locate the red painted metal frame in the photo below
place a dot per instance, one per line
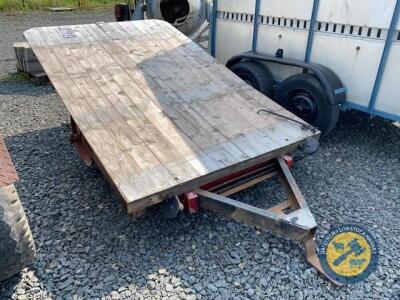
(8, 174)
(288, 159)
(190, 200)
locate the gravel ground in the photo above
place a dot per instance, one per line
(89, 248)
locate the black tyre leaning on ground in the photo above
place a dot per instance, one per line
(256, 75)
(303, 95)
(17, 248)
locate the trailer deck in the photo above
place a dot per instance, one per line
(158, 114)
(163, 120)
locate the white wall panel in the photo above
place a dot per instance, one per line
(398, 24)
(356, 68)
(243, 6)
(232, 38)
(371, 13)
(388, 99)
(292, 9)
(292, 41)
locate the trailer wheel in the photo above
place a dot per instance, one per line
(171, 207)
(303, 95)
(256, 75)
(16, 243)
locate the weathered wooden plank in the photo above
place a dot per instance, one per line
(181, 167)
(161, 115)
(158, 90)
(164, 124)
(141, 139)
(120, 166)
(177, 115)
(187, 91)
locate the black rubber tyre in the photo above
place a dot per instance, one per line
(171, 207)
(16, 243)
(256, 75)
(303, 95)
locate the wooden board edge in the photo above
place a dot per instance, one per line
(141, 204)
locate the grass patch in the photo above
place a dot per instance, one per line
(18, 76)
(23, 5)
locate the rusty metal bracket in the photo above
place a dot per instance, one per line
(296, 228)
(291, 219)
(312, 257)
(8, 174)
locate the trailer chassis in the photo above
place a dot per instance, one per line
(291, 219)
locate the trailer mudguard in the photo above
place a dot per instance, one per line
(333, 86)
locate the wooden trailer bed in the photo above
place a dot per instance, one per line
(158, 113)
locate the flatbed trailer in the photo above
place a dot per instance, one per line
(162, 118)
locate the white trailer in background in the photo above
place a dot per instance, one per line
(314, 56)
